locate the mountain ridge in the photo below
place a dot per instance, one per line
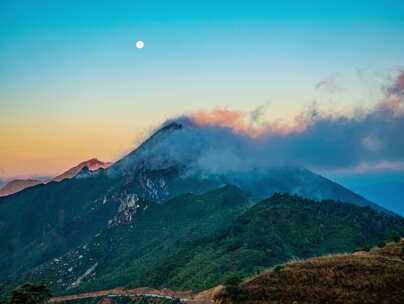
(75, 211)
(181, 244)
(17, 185)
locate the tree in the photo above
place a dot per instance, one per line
(233, 280)
(30, 293)
(232, 288)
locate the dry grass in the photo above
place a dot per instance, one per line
(363, 277)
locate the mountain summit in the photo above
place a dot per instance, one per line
(92, 164)
(175, 173)
(183, 156)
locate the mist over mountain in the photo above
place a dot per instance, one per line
(99, 222)
(223, 140)
(183, 156)
(256, 149)
(184, 160)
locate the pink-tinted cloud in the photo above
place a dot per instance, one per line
(398, 86)
(370, 139)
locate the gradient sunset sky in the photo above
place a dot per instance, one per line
(73, 85)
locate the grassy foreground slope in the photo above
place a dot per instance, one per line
(196, 241)
(362, 277)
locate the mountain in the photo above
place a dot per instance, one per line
(179, 162)
(17, 185)
(181, 157)
(195, 241)
(370, 277)
(92, 164)
(45, 221)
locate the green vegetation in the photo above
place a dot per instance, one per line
(233, 279)
(395, 237)
(196, 241)
(122, 300)
(277, 268)
(46, 221)
(152, 250)
(30, 293)
(381, 244)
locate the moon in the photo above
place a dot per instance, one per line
(140, 44)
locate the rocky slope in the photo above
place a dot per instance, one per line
(196, 241)
(47, 221)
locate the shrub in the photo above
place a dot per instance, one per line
(233, 280)
(395, 237)
(30, 293)
(278, 268)
(381, 244)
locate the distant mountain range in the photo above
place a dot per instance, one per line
(177, 211)
(18, 185)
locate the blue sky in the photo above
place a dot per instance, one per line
(69, 67)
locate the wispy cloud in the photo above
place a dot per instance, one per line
(329, 84)
(224, 140)
(364, 140)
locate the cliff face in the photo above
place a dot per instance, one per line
(376, 276)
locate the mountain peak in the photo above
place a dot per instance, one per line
(92, 164)
(172, 125)
(165, 147)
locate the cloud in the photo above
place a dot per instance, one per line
(398, 86)
(366, 139)
(329, 84)
(257, 115)
(224, 140)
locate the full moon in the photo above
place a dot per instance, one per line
(140, 44)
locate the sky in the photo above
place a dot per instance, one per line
(73, 86)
